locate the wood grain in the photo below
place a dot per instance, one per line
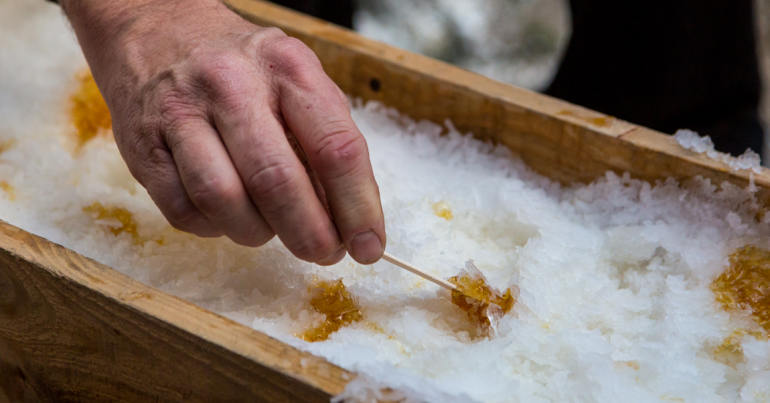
(563, 141)
(73, 330)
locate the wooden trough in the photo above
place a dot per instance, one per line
(74, 330)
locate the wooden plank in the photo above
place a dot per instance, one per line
(74, 330)
(565, 142)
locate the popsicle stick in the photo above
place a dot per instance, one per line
(408, 267)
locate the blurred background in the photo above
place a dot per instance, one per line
(516, 41)
(763, 47)
(523, 42)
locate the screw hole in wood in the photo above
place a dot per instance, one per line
(374, 84)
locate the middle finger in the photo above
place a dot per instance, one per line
(276, 180)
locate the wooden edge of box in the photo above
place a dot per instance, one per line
(72, 329)
(565, 142)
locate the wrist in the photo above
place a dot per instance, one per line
(102, 17)
(101, 24)
(114, 34)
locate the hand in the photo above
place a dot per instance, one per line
(202, 102)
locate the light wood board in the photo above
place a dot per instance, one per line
(74, 330)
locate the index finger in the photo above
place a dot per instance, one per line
(317, 112)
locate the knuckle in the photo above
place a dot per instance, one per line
(182, 216)
(224, 78)
(200, 227)
(272, 186)
(166, 96)
(138, 137)
(169, 90)
(145, 155)
(157, 157)
(261, 234)
(177, 222)
(314, 247)
(219, 70)
(173, 112)
(340, 149)
(178, 211)
(214, 198)
(292, 57)
(256, 235)
(269, 33)
(149, 142)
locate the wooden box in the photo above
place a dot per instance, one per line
(75, 330)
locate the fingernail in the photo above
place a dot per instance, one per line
(334, 258)
(367, 247)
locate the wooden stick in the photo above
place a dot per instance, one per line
(408, 267)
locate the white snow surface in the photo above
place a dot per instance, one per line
(614, 301)
(694, 142)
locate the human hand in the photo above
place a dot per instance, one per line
(202, 102)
